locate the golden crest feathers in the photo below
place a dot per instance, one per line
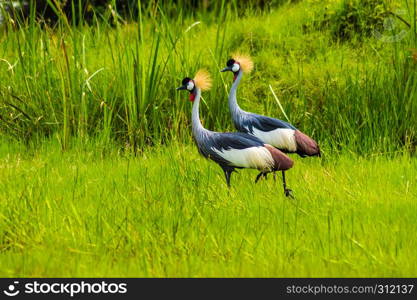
(203, 80)
(245, 61)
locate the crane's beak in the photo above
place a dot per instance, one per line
(183, 87)
(226, 69)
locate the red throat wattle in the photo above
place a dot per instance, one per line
(234, 76)
(192, 97)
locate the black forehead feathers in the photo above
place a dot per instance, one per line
(186, 80)
(230, 62)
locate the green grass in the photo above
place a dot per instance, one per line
(99, 176)
(115, 80)
(169, 213)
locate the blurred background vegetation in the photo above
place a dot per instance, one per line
(344, 70)
(87, 10)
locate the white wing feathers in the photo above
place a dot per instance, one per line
(281, 138)
(254, 157)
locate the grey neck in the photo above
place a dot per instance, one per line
(198, 128)
(233, 106)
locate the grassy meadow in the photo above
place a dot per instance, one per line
(169, 213)
(99, 175)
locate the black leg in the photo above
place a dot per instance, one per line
(287, 191)
(275, 176)
(228, 173)
(260, 175)
(257, 177)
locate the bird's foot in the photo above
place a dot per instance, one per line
(288, 193)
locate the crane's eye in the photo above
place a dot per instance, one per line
(190, 85)
(230, 62)
(235, 67)
(185, 80)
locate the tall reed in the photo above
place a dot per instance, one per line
(115, 79)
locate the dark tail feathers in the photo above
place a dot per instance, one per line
(282, 161)
(306, 146)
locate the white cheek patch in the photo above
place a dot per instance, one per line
(190, 85)
(235, 67)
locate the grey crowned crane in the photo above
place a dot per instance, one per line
(232, 150)
(277, 133)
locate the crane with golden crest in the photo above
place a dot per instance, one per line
(277, 133)
(231, 150)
